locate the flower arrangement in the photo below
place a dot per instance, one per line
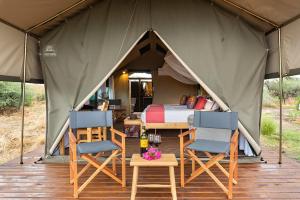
(152, 154)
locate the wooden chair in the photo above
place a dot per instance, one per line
(213, 132)
(93, 134)
(85, 151)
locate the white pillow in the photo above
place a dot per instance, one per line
(211, 105)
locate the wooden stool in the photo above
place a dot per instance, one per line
(166, 160)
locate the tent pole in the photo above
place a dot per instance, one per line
(281, 95)
(55, 16)
(23, 96)
(251, 13)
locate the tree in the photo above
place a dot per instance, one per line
(291, 87)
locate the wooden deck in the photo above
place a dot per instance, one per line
(50, 181)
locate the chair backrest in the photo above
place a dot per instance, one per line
(90, 119)
(217, 126)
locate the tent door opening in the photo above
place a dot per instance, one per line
(140, 91)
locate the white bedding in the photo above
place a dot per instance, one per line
(173, 113)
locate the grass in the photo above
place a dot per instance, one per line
(291, 139)
(268, 126)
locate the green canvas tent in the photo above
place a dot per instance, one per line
(73, 46)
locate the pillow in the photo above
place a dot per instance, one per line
(211, 105)
(191, 101)
(183, 99)
(200, 103)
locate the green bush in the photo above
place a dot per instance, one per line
(268, 126)
(293, 115)
(268, 100)
(10, 95)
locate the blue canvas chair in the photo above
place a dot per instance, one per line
(215, 134)
(93, 119)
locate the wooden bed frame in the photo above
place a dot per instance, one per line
(167, 125)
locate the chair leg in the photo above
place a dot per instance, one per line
(71, 167)
(208, 164)
(193, 163)
(181, 162)
(87, 166)
(75, 174)
(232, 169)
(225, 172)
(114, 168)
(230, 180)
(207, 170)
(99, 169)
(235, 174)
(123, 163)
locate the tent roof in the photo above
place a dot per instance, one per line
(26, 14)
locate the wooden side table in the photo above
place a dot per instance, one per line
(166, 160)
(138, 122)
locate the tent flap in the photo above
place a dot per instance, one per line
(223, 51)
(80, 53)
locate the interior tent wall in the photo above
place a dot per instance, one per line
(12, 53)
(164, 94)
(84, 51)
(223, 51)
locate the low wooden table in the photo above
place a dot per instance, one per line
(138, 122)
(166, 160)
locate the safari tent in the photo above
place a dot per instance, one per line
(73, 47)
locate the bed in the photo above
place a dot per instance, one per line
(167, 116)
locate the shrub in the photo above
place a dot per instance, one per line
(293, 115)
(10, 95)
(268, 100)
(268, 126)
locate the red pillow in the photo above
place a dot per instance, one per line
(200, 103)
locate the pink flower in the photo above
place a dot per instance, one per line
(152, 154)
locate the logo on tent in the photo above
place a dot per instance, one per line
(49, 51)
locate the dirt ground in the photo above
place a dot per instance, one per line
(10, 131)
(286, 124)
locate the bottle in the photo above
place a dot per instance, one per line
(143, 143)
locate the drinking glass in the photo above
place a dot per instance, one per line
(151, 139)
(157, 140)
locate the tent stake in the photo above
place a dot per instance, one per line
(23, 96)
(281, 96)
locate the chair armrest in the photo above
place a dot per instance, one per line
(118, 132)
(188, 142)
(114, 140)
(191, 131)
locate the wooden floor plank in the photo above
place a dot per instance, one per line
(51, 181)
